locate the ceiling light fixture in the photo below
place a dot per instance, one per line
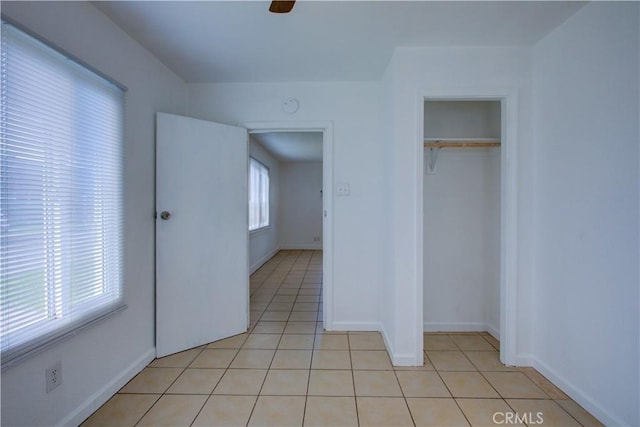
(281, 6)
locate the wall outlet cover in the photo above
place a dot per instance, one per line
(342, 189)
(53, 376)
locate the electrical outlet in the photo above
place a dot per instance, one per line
(53, 376)
(342, 189)
(316, 238)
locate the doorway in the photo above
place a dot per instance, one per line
(462, 216)
(507, 258)
(300, 155)
(227, 151)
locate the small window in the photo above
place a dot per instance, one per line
(258, 195)
(61, 196)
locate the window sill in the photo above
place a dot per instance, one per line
(259, 230)
(39, 345)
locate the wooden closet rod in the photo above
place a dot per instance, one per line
(461, 144)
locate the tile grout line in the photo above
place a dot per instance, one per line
(404, 397)
(306, 398)
(266, 374)
(168, 387)
(148, 410)
(455, 399)
(217, 382)
(287, 269)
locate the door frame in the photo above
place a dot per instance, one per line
(508, 98)
(326, 127)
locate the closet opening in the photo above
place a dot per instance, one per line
(462, 192)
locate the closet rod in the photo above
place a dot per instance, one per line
(461, 144)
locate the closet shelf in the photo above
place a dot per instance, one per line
(435, 144)
(461, 142)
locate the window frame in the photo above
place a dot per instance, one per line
(262, 168)
(108, 302)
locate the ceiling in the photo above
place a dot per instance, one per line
(240, 41)
(292, 146)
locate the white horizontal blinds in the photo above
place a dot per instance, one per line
(264, 195)
(60, 194)
(258, 195)
(254, 200)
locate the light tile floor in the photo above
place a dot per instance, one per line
(287, 371)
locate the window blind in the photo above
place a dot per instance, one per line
(61, 195)
(258, 195)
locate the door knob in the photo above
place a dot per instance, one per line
(165, 215)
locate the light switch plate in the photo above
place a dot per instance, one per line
(342, 189)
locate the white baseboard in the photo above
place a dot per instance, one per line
(301, 246)
(494, 332)
(523, 359)
(96, 400)
(404, 360)
(577, 394)
(263, 260)
(455, 327)
(398, 359)
(385, 338)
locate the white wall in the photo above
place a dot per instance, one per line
(99, 360)
(414, 72)
(586, 114)
(301, 205)
(358, 158)
(462, 242)
(491, 239)
(263, 243)
(462, 119)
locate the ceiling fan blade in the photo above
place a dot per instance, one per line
(281, 6)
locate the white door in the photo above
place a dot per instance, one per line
(202, 274)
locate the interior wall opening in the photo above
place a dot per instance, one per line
(461, 217)
(285, 255)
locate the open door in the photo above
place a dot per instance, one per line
(202, 277)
